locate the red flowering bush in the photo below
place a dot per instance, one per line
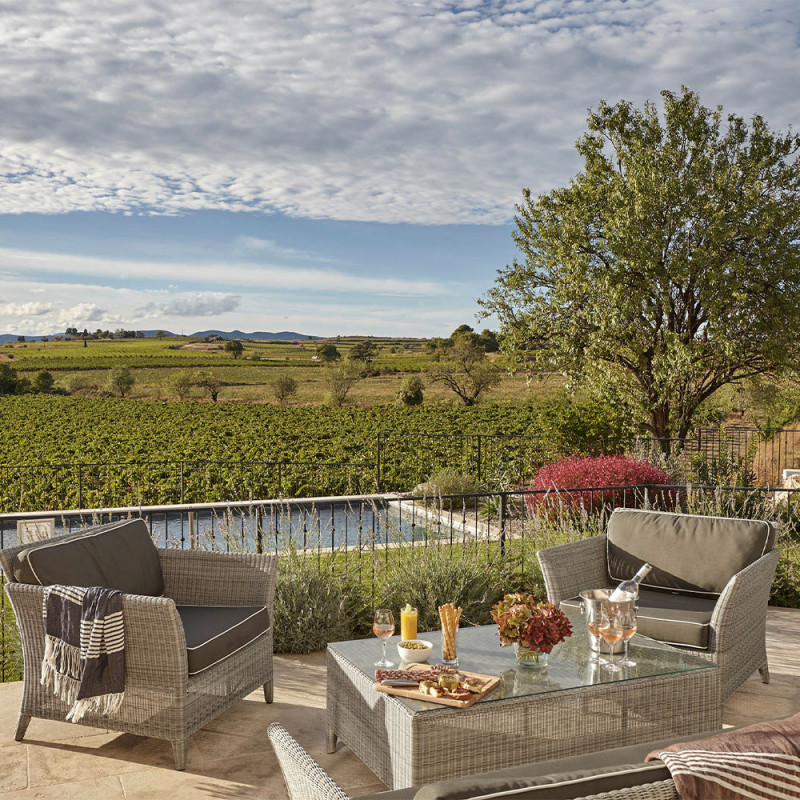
(596, 474)
(537, 626)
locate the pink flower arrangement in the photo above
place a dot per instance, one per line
(536, 626)
(593, 473)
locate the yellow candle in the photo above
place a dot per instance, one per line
(408, 622)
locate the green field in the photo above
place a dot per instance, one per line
(155, 363)
(46, 430)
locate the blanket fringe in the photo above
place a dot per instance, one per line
(59, 655)
(103, 704)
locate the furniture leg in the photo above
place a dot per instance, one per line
(331, 741)
(22, 726)
(179, 748)
(764, 672)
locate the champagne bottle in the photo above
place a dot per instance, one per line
(630, 587)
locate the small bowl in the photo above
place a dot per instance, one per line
(415, 655)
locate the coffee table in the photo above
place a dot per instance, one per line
(571, 707)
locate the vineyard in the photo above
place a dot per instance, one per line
(261, 450)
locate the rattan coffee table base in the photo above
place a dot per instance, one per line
(406, 748)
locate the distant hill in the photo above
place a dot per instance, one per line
(283, 335)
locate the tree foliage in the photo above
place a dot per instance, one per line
(283, 387)
(339, 379)
(120, 381)
(234, 347)
(465, 371)
(668, 268)
(411, 391)
(208, 382)
(365, 351)
(328, 352)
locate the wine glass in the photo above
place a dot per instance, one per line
(611, 631)
(383, 628)
(628, 622)
(593, 624)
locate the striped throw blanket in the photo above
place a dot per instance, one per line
(84, 653)
(759, 761)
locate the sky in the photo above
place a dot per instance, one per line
(333, 167)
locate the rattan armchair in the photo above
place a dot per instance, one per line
(162, 699)
(737, 615)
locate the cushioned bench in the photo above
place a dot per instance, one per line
(198, 625)
(708, 589)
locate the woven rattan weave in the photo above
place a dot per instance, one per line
(161, 699)
(569, 709)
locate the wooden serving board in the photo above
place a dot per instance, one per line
(490, 681)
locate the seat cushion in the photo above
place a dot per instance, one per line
(563, 786)
(688, 552)
(671, 617)
(117, 556)
(215, 632)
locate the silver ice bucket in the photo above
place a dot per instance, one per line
(592, 601)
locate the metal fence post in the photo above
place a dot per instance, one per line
(378, 462)
(182, 494)
(502, 524)
(80, 485)
(479, 458)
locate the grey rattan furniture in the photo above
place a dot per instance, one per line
(570, 708)
(221, 603)
(617, 774)
(708, 592)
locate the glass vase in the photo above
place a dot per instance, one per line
(529, 659)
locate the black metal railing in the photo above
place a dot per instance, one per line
(363, 533)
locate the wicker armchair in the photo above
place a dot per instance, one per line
(736, 613)
(162, 699)
(306, 780)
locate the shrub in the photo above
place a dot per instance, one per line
(451, 482)
(314, 606)
(284, 387)
(431, 576)
(411, 391)
(595, 473)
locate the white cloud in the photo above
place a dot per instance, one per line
(26, 309)
(378, 110)
(258, 276)
(124, 307)
(203, 304)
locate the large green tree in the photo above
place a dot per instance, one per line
(668, 268)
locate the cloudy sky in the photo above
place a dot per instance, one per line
(327, 167)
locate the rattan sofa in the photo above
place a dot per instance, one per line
(618, 774)
(708, 591)
(198, 626)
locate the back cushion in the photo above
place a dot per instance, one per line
(687, 551)
(119, 557)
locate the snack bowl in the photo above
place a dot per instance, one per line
(419, 651)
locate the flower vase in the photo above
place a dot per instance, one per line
(529, 659)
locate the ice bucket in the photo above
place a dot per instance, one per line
(592, 600)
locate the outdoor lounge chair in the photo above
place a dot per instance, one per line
(198, 626)
(708, 591)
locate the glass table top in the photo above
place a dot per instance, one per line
(570, 664)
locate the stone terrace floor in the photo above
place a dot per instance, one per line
(231, 757)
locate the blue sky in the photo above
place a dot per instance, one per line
(329, 167)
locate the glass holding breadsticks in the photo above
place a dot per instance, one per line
(449, 615)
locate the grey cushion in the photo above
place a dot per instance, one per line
(119, 556)
(688, 552)
(213, 633)
(562, 786)
(672, 617)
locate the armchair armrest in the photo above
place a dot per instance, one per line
(740, 616)
(570, 568)
(305, 779)
(155, 647)
(202, 578)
